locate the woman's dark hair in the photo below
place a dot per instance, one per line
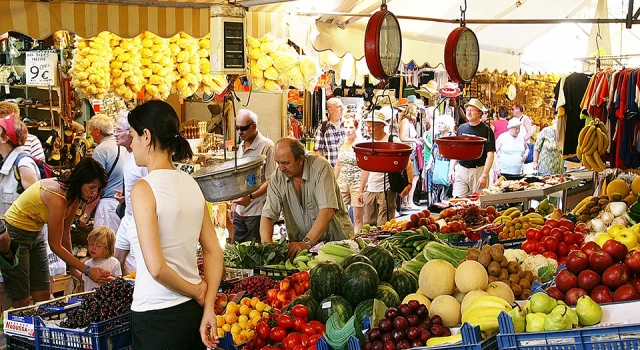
(86, 171)
(503, 112)
(162, 122)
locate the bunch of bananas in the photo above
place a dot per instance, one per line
(157, 66)
(593, 142)
(90, 69)
(508, 215)
(484, 312)
(127, 78)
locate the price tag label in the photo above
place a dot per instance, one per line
(41, 68)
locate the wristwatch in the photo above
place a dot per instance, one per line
(251, 196)
(307, 241)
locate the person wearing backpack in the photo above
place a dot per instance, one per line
(378, 191)
(330, 132)
(18, 170)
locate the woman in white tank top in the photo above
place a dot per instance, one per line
(172, 306)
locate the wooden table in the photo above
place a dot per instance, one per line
(527, 195)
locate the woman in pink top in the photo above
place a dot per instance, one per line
(500, 125)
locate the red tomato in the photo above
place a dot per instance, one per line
(563, 249)
(312, 348)
(277, 334)
(314, 339)
(285, 322)
(531, 233)
(286, 303)
(297, 277)
(291, 341)
(568, 238)
(285, 285)
(299, 311)
(558, 234)
(553, 223)
(262, 330)
(300, 347)
(260, 343)
(298, 323)
(529, 245)
(545, 231)
(540, 247)
(304, 340)
(567, 223)
(550, 243)
(304, 275)
(320, 328)
(550, 255)
(308, 330)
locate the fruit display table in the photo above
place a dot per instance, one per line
(527, 195)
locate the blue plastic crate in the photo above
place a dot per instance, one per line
(20, 343)
(112, 334)
(592, 338)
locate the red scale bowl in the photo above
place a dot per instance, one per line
(461, 147)
(386, 157)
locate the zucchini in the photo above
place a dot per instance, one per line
(435, 250)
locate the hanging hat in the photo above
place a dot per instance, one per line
(7, 123)
(428, 89)
(450, 90)
(476, 103)
(411, 98)
(514, 123)
(381, 99)
(401, 102)
(378, 117)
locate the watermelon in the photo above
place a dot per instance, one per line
(363, 310)
(332, 305)
(385, 284)
(403, 283)
(382, 261)
(308, 301)
(388, 296)
(355, 258)
(359, 283)
(326, 279)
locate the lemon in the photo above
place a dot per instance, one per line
(256, 320)
(254, 301)
(243, 318)
(245, 310)
(235, 329)
(226, 327)
(253, 314)
(232, 307)
(220, 320)
(260, 306)
(220, 332)
(243, 325)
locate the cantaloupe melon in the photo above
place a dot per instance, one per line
(618, 186)
(437, 278)
(471, 275)
(635, 186)
(421, 298)
(502, 290)
(446, 307)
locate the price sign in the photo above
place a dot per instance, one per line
(41, 68)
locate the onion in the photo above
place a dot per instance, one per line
(598, 225)
(620, 220)
(590, 237)
(607, 217)
(618, 208)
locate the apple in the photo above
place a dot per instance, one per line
(221, 300)
(600, 261)
(588, 280)
(568, 224)
(627, 237)
(566, 280)
(632, 260)
(615, 276)
(218, 309)
(625, 267)
(577, 261)
(614, 229)
(572, 296)
(635, 281)
(581, 228)
(555, 293)
(590, 248)
(625, 292)
(602, 294)
(616, 249)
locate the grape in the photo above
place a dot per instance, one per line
(110, 300)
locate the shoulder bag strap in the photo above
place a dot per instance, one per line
(113, 166)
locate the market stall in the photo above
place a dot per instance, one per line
(521, 191)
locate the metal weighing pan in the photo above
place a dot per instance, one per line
(226, 181)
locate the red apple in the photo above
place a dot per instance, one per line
(632, 260)
(616, 249)
(602, 294)
(600, 261)
(625, 292)
(555, 293)
(590, 248)
(615, 276)
(624, 266)
(588, 280)
(581, 228)
(572, 296)
(221, 300)
(577, 261)
(566, 280)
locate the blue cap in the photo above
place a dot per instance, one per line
(411, 98)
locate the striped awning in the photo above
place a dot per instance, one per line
(41, 19)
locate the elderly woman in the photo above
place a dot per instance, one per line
(511, 151)
(438, 165)
(547, 154)
(409, 136)
(347, 171)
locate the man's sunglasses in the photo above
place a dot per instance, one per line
(243, 128)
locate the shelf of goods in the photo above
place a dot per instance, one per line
(527, 195)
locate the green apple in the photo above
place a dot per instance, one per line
(627, 237)
(601, 238)
(614, 229)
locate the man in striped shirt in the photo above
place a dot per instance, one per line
(330, 132)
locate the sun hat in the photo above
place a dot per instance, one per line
(428, 89)
(7, 123)
(476, 103)
(514, 123)
(450, 90)
(401, 102)
(378, 117)
(411, 98)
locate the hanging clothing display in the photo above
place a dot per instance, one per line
(573, 90)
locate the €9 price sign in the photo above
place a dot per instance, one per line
(41, 68)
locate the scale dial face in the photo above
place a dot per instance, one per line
(462, 55)
(383, 45)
